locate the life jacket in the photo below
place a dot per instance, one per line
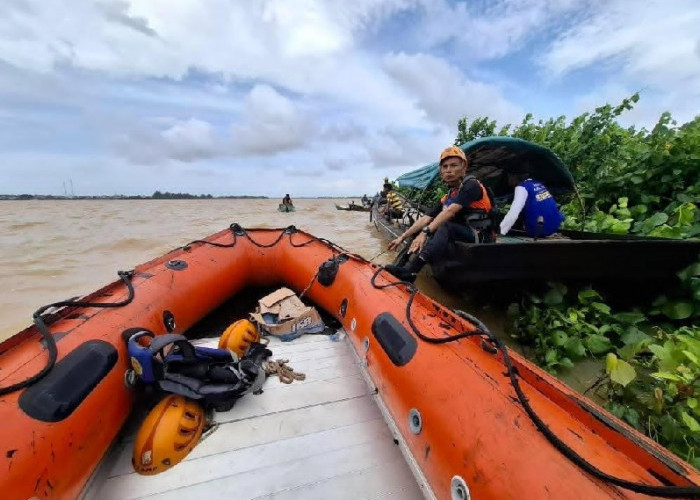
(394, 200)
(479, 214)
(208, 375)
(541, 214)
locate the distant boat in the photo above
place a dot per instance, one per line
(353, 207)
(286, 208)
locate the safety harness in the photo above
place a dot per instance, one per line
(214, 377)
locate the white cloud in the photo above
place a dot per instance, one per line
(395, 149)
(167, 139)
(191, 140)
(487, 30)
(652, 48)
(305, 28)
(271, 123)
(305, 46)
(444, 93)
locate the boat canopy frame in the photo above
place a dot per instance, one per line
(492, 158)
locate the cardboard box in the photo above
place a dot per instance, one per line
(284, 315)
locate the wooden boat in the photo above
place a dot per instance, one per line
(466, 429)
(598, 258)
(353, 207)
(579, 256)
(286, 208)
(606, 260)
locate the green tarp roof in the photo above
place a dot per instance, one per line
(490, 160)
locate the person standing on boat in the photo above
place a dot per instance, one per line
(463, 214)
(287, 200)
(541, 216)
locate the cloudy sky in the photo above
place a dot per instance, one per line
(310, 97)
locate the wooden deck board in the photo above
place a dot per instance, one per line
(323, 437)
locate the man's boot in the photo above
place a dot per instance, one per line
(409, 271)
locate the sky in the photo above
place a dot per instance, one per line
(310, 97)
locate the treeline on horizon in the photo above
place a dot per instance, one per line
(157, 195)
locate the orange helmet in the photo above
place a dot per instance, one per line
(452, 151)
(168, 434)
(239, 336)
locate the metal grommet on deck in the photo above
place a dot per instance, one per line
(169, 321)
(365, 344)
(459, 489)
(176, 265)
(415, 421)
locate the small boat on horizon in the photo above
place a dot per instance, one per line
(472, 418)
(283, 207)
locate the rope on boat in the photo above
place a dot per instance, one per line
(234, 230)
(308, 287)
(48, 337)
(284, 372)
(378, 255)
(483, 331)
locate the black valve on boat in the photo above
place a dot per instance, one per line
(237, 229)
(327, 272)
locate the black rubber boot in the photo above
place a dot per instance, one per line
(409, 271)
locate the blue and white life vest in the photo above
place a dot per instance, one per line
(542, 216)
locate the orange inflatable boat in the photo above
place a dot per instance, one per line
(476, 421)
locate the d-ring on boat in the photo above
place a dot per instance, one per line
(472, 419)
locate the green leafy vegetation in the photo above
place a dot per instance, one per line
(652, 358)
(658, 171)
(629, 181)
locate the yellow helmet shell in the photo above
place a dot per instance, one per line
(168, 434)
(239, 336)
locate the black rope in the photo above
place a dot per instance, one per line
(661, 491)
(49, 339)
(413, 290)
(482, 330)
(235, 230)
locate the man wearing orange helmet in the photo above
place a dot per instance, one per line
(461, 215)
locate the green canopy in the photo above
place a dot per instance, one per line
(492, 158)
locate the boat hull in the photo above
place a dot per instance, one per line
(353, 208)
(471, 424)
(606, 260)
(574, 257)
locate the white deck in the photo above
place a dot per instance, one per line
(321, 438)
